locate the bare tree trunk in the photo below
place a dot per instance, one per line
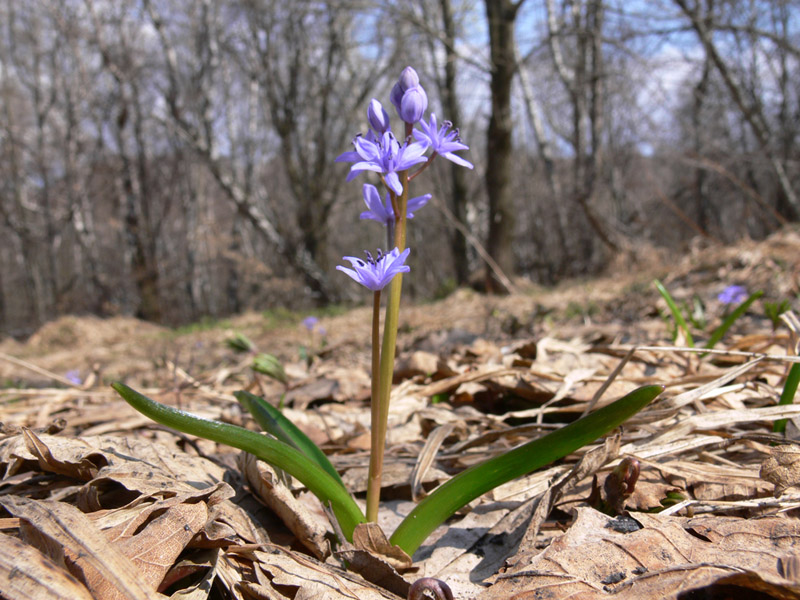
(457, 201)
(702, 204)
(501, 16)
(132, 181)
(583, 81)
(752, 112)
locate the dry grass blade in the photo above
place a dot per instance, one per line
(697, 393)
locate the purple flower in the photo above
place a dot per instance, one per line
(384, 155)
(375, 273)
(409, 97)
(74, 376)
(310, 322)
(443, 141)
(377, 117)
(733, 294)
(383, 211)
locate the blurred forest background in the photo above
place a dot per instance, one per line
(174, 160)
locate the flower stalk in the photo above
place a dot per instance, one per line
(376, 443)
(385, 374)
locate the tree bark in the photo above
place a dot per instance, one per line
(501, 16)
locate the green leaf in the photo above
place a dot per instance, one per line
(676, 312)
(274, 452)
(479, 479)
(275, 423)
(239, 342)
(269, 365)
(720, 331)
(787, 396)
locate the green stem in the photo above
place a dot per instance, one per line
(376, 442)
(390, 326)
(272, 451)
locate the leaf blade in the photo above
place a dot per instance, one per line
(477, 480)
(275, 422)
(272, 451)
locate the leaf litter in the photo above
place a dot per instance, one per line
(98, 502)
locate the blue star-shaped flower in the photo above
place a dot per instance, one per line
(442, 140)
(375, 273)
(383, 155)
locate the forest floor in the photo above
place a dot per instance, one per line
(96, 501)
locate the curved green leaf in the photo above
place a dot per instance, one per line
(275, 423)
(479, 479)
(676, 312)
(272, 451)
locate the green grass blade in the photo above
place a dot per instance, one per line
(479, 479)
(272, 451)
(275, 423)
(676, 312)
(720, 331)
(788, 394)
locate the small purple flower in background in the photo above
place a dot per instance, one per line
(310, 322)
(733, 294)
(409, 97)
(375, 273)
(383, 211)
(442, 141)
(385, 156)
(74, 376)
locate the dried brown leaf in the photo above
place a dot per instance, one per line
(311, 528)
(27, 574)
(105, 570)
(660, 558)
(313, 580)
(370, 537)
(63, 456)
(782, 468)
(156, 547)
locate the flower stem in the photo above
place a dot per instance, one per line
(386, 370)
(376, 442)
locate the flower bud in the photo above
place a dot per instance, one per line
(408, 79)
(396, 96)
(377, 117)
(413, 104)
